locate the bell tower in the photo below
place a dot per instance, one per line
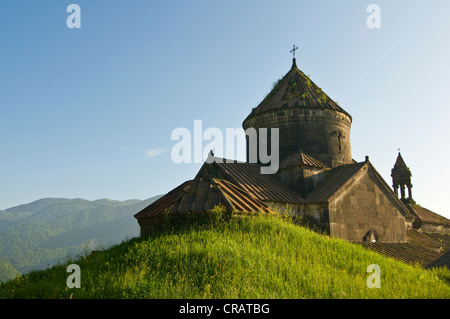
(401, 179)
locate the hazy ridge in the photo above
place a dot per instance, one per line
(39, 234)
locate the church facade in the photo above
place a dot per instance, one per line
(317, 179)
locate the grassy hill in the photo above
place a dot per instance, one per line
(40, 234)
(247, 257)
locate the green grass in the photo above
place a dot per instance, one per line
(247, 257)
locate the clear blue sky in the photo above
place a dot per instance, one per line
(80, 107)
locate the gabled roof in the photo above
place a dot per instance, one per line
(342, 176)
(295, 89)
(301, 158)
(201, 195)
(338, 177)
(427, 216)
(264, 187)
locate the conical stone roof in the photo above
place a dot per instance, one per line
(400, 162)
(400, 172)
(295, 89)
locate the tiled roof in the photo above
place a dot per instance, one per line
(338, 177)
(405, 252)
(421, 239)
(201, 195)
(295, 89)
(442, 261)
(444, 239)
(247, 176)
(427, 216)
(301, 158)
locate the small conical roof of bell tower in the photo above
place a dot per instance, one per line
(400, 169)
(295, 89)
(399, 162)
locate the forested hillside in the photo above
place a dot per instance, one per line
(39, 234)
(7, 271)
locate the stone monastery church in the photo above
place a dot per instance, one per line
(317, 179)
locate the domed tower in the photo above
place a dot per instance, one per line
(308, 120)
(401, 178)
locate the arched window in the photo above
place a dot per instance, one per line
(371, 236)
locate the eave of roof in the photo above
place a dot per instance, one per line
(201, 195)
(264, 187)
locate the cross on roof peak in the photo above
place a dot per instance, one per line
(294, 48)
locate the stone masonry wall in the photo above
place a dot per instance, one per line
(322, 133)
(362, 207)
(434, 228)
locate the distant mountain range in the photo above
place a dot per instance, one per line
(42, 233)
